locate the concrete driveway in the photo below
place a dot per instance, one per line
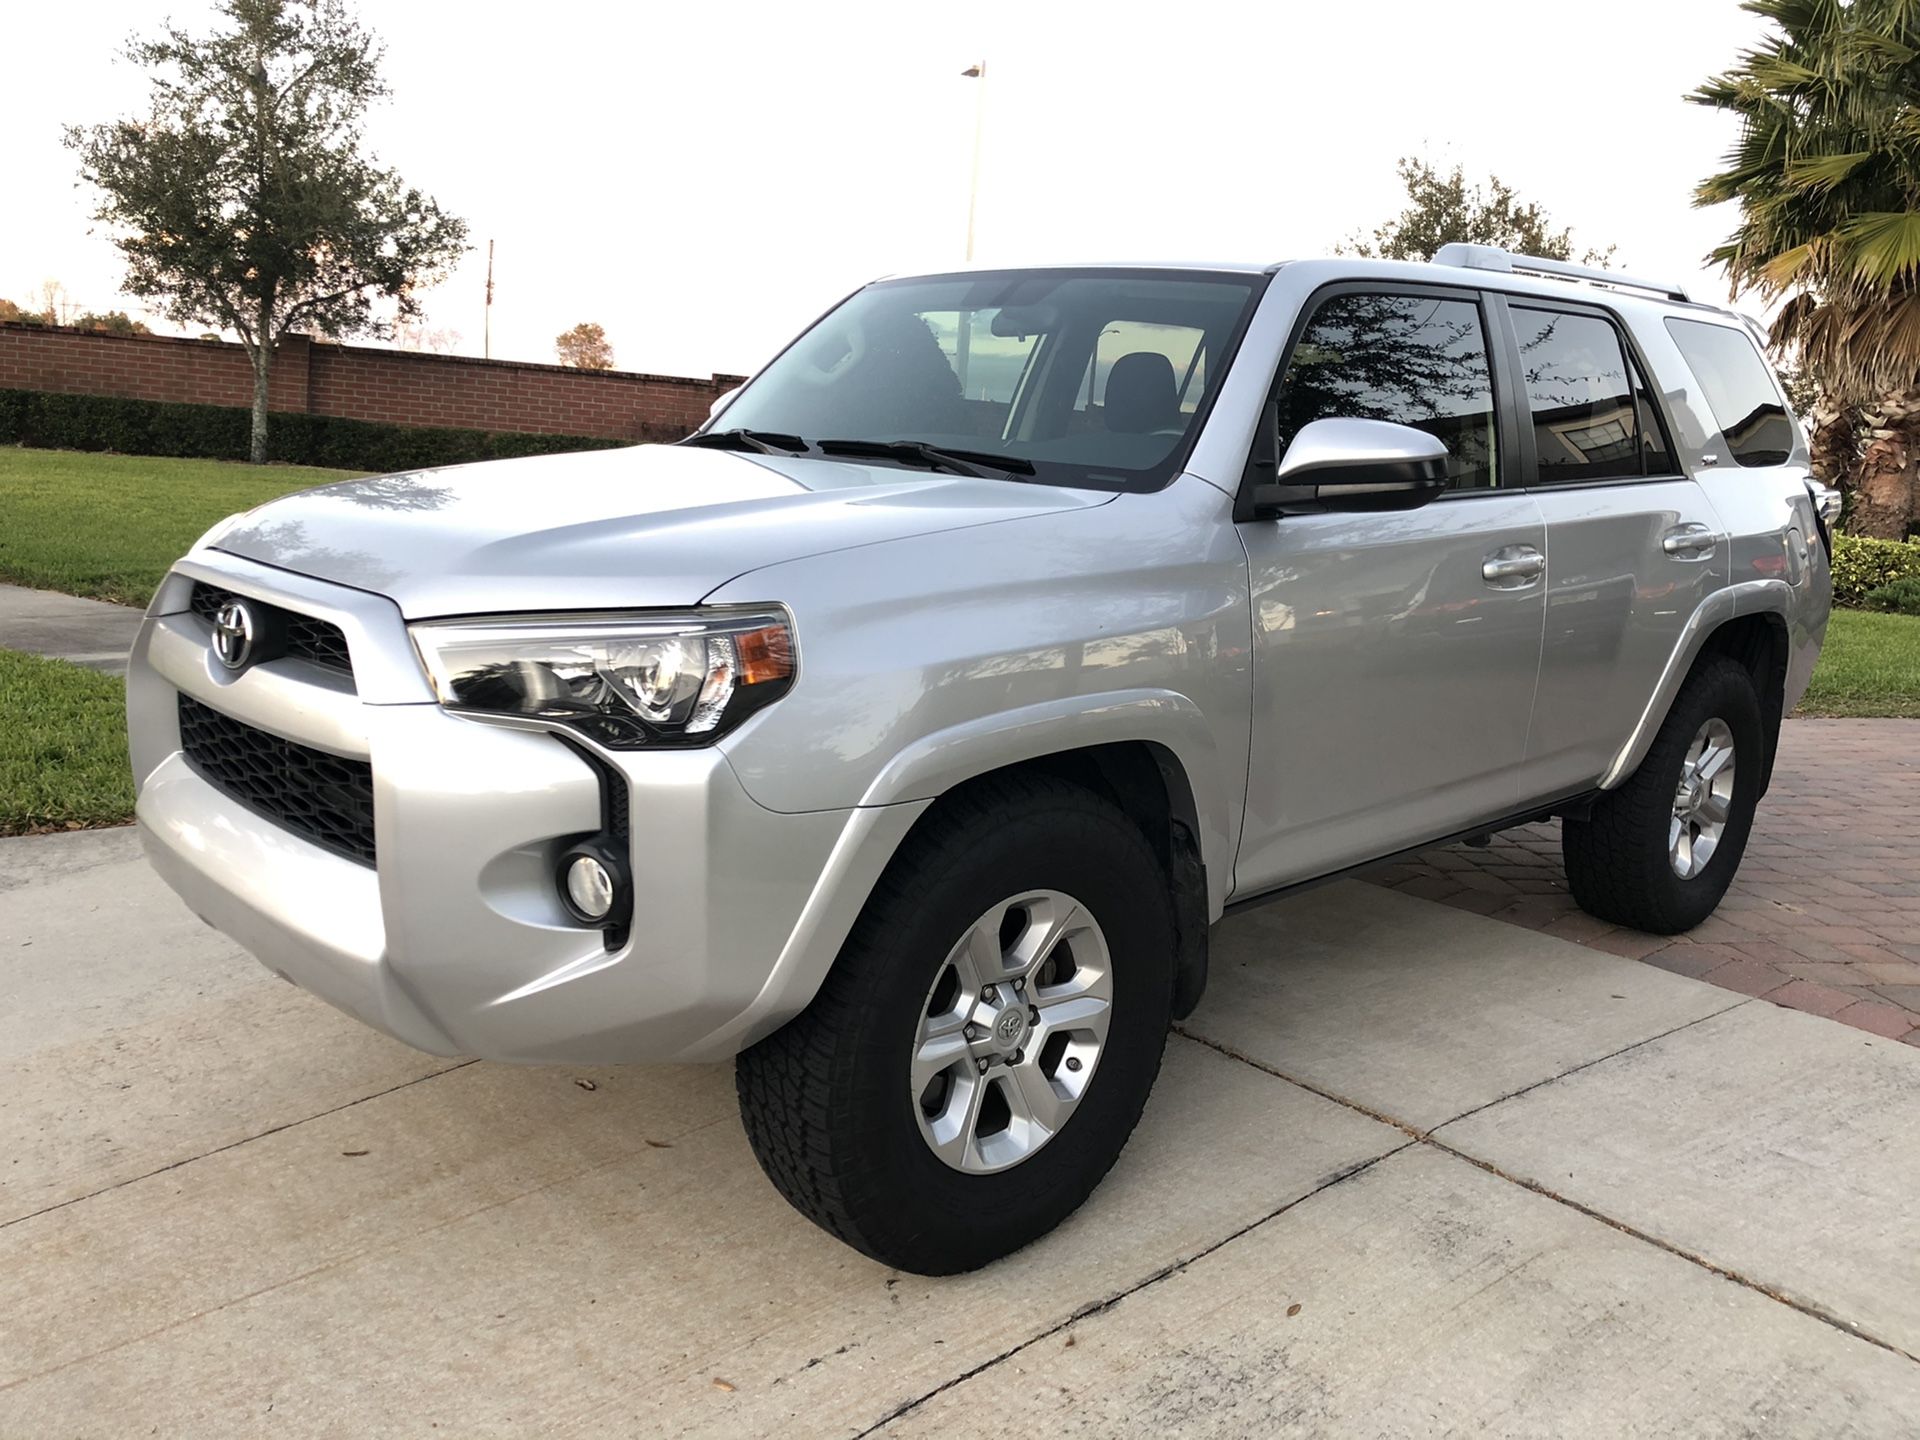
(1409, 1170)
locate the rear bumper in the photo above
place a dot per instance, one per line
(1807, 621)
(456, 942)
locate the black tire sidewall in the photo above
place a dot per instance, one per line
(1723, 691)
(1084, 850)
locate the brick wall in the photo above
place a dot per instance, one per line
(361, 383)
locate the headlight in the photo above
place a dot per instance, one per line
(628, 681)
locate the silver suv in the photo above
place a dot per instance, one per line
(901, 734)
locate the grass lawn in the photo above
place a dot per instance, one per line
(108, 526)
(1870, 665)
(63, 746)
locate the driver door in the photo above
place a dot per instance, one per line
(1395, 653)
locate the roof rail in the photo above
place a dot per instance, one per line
(1491, 257)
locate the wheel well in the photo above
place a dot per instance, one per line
(1144, 780)
(1759, 643)
(1149, 785)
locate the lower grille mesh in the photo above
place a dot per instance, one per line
(323, 798)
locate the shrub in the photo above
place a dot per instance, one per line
(114, 322)
(218, 432)
(1902, 597)
(1861, 564)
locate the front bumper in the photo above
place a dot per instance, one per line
(456, 942)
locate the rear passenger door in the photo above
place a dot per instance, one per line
(1633, 545)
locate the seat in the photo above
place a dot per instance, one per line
(1141, 394)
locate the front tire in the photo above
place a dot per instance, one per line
(1658, 853)
(986, 1041)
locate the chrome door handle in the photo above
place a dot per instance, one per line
(1513, 562)
(1693, 541)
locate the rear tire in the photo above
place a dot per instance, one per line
(847, 1106)
(1658, 853)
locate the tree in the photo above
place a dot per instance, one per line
(114, 322)
(245, 197)
(414, 336)
(584, 347)
(1827, 176)
(53, 304)
(1445, 210)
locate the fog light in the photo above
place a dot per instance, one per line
(593, 881)
(589, 889)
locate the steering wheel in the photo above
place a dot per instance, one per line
(855, 336)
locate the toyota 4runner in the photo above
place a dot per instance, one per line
(901, 734)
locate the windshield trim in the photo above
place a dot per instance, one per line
(1064, 473)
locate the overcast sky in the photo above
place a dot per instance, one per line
(703, 179)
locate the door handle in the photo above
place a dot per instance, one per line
(1513, 562)
(1693, 542)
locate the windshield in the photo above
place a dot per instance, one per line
(1088, 377)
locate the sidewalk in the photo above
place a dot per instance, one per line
(1824, 915)
(65, 627)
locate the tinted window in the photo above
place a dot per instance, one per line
(1586, 425)
(1411, 359)
(1654, 449)
(1741, 394)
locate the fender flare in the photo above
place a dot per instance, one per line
(1749, 597)
(908, 785)
(936, 763)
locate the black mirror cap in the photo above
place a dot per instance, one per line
(1375, 485)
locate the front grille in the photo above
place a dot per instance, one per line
(320, 797)
(304, 637)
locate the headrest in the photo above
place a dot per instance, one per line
(1141, 394)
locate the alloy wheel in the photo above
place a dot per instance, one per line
(1703, 801)
(1012, 1031)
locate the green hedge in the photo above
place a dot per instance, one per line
(1861, 564)
(218, 432)
(1902, 597)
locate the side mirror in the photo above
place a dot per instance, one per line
(1346, 464)
(721, 403)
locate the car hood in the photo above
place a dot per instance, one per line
(607, 529)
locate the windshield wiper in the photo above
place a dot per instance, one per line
(980, 464)
(758, 442)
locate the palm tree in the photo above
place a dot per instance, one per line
(1827, 173)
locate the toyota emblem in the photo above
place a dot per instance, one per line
(233, 635)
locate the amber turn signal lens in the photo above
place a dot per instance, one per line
(765, 654)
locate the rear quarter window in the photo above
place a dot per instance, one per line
(1739, 390)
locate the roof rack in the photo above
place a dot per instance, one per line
(1491, 257)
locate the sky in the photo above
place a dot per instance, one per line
(704, 179)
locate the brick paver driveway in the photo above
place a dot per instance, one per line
(1824, 915)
